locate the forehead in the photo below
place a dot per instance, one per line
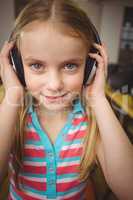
(52, 24)
(52, 35)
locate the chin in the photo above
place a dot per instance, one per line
(58, 104)
(56, 107)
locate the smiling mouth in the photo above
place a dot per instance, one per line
(55, 97)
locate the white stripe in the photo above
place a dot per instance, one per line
(31, 194)
(51, 199)
(12, 196)
(67, 180)
(72, 193)
(11, 156)
(78, 116)
(73, 131)
(31, 129)
(10, 165)
(72, 146)
(69, 163)
(34, 163)
(12, 182)
(32, 146)
(36, 179)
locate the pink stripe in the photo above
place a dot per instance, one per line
(68, 169)
(71, 153)
(63, 187)
(75, 197)
(77, 121)
(9, 197)
(35, 185)
(32, 135)
(29, 119)
(34, 153)
(77, 135)
(24, 196)
(34, 169)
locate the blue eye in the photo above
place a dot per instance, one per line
(71, 66)
(36, 66)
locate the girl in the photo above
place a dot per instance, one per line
(54, 129)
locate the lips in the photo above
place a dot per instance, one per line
(55, 97)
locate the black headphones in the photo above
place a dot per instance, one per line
(90, 68)
(91, 64)
(16, 61)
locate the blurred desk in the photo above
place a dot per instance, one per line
(124, 101)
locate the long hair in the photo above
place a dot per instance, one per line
(63, 12)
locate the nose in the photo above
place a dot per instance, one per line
(55, 82)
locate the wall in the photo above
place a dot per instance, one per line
(6, 19)
(111, 23)
(107, 15)
(93, 10)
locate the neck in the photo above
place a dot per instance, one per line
(53, 115)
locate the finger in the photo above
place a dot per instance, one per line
(5, 51)
(6, 48)
(100, 61)
(103, 52)
(4, 55)
(98, 58)
(5, 66)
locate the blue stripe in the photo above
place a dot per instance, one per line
(14, 194)
(72, 175)
(32, 190)
(26, 158)
(76, 158)
(34, 175)
(33, 142)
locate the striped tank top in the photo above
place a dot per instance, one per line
(50, 171)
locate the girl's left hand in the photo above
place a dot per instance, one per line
(96, 89)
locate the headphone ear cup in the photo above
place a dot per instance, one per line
(91, 64)
(16, 61)
(90, 70)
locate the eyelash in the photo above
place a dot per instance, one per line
(35, 64)
(75, 66)
(65, 67)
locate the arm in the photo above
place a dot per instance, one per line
(9, 106)
(115, 152)
(8, 117)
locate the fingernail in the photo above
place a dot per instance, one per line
(90, 54)
(95, 44)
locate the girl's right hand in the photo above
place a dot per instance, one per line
(9, 78)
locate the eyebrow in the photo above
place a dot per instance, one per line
(31, 59)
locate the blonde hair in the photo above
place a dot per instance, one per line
(66, 13)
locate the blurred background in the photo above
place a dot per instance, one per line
(114, 22)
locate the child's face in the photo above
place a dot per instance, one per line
(54, 64)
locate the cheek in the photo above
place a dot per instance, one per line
(75, 83)
(32, 82)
